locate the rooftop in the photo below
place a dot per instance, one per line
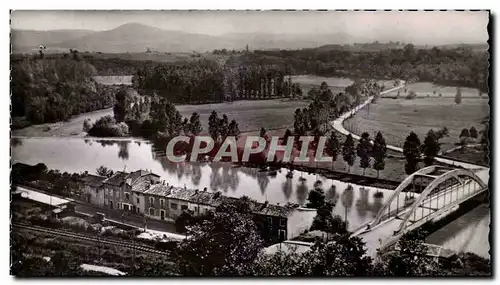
(93, 180)
(117, 179)
(121, 177)
(139, 173)
(158, 190)
(288, 246)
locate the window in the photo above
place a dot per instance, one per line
(184, 207)
(196, 209)
(138, 202)
(151, 211)
(283, 222)
(126, 207)
(151, 200)
(173, 206)
(127, 196)
(282, 235)
(162, 203)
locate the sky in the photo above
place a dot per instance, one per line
(419, 27)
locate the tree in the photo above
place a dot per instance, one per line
(186, 126)
(122, 110)
(344, 256)
(223, 127)
(442, 133)
(458, 96)
(464, 134)
(233, 129)
(430, 148)
(262, 132)
(225, 244)
(87, 125)
(364, 150)
(412, 153)
(316, 198)
(195, 124)
(333, 147)
(104, 171)
(410, 260)
(379, 152)
(348, 152)
(473, 132)
(213, 125)
(299, 123)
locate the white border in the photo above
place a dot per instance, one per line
(199, 4)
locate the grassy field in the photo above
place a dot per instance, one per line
(427, 89)
(396, 118)
(250, 115)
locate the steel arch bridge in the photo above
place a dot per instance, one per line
(425, 195)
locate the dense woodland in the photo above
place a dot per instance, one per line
(50, 88)
(461, 66)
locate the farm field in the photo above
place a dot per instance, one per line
(336, 84)
(396, 118)
(250, 116)
(427, 89)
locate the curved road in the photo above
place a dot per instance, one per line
(338, 124)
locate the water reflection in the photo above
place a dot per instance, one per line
(331, 194)
(123, 150)
(362, 204)
(287, 188)
(88, 154)
(348, 198)
(14, 142)
(195, 173)
(302, 192)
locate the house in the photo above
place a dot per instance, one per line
(178, 201)
(278, 223)
(120, 191)
(196, 201)
(93, 190)
(114, 190)
(155, 201)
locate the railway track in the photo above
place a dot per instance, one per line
(83, 237)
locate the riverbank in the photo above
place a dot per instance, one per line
(251, 115)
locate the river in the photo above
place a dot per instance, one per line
(79, 155)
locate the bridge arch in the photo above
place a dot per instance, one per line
(425, 172)
(456, 173)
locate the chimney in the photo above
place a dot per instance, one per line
(163, 182)
(205, 189)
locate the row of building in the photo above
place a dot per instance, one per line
(143, 193)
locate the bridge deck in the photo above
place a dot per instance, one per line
(384, 231)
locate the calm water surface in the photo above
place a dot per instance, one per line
(78, 155)
(357, 205)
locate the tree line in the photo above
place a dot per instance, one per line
(206, 81)
(459, 66)
(52, 90)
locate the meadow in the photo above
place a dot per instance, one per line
(396, 118)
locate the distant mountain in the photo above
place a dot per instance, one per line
(133, 37)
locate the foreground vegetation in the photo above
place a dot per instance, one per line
(226, 243)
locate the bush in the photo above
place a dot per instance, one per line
(107, 127)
